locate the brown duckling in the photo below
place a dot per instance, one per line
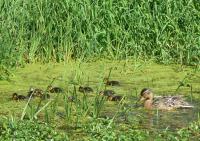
(115, 98)
(52, 89)
(85, 89)
(15, 96)
(107, 93)
(111, 82)
(71, 98)
(35, 92)
(162, 102)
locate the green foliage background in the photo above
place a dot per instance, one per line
(41, 30)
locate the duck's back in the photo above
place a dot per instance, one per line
(170, 102)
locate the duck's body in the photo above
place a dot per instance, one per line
(111, 82)
(85, 89)
(35, 92)
(15, 96)
(115, 98)
(52, 89)
(162, 102)
(107, 93)
(170, 102)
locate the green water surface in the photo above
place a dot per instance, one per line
(132, 75)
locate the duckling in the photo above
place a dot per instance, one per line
(85, 89)
(111, 83)
(162, 102)
(52, 89)
(71, 98)
(35, 92)
(107, 93)
(114, 98)
(15, 96)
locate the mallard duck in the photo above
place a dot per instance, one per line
(52, 89)
(107, 93)
(115, 98)
(35, 92)
(162, 102)
(111, 82)
(15, 96)
(85, 89)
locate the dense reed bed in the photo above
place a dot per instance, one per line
(57, 30)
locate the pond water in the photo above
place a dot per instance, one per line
(133, 76)
(167, 120)
(157, 119)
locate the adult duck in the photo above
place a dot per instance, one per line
(162, 102)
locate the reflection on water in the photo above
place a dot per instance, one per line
(155, 119)
(165, 119)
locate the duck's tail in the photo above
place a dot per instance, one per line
(186, 106)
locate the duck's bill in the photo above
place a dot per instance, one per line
(142, 99)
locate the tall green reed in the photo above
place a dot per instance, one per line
(98, 105)
(64, 29)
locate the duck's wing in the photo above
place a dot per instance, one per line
(160, 103)
(170, 102)
(181, 103)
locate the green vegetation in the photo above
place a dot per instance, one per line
(91, 117)
(69, 43)
(27, 130)
(96, 130)
(58, 30)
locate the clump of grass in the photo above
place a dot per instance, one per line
(28, 130)
(98, 105)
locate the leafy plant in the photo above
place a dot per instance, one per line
(28, 130)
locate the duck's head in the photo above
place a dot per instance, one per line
(106, 79)
(110, 98)
(101, 93)
(146, 94)
(31, 89)
(81, 88)
(49, 87)
(14, 95)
